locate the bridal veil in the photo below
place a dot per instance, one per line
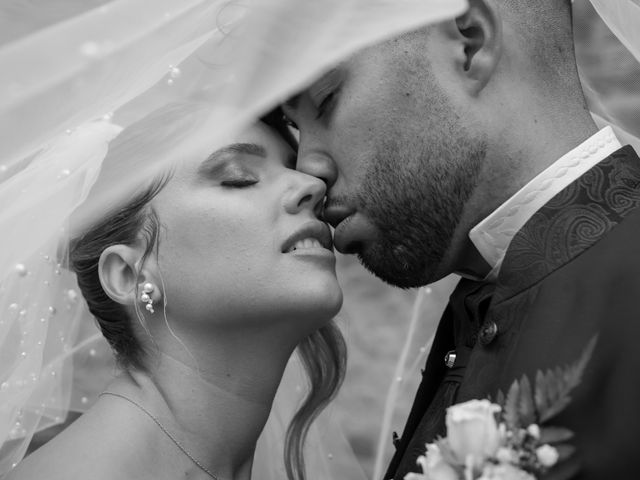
(74, 74)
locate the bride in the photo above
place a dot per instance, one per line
(211, 273)
(203, 284)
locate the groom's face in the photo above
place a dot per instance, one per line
(397, 158)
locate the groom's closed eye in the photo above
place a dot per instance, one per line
(323, 92)
(288, 110)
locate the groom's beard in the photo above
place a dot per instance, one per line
(416, 202)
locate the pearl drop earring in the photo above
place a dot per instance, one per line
(147, 289)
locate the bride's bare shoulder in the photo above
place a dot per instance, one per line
(98, 445)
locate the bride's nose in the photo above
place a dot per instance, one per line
(306, 193)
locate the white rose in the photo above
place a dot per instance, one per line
(472, 431)
(504, 471)
(547, 455)
(434, 467)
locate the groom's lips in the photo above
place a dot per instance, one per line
(352, 229)
(333, 213)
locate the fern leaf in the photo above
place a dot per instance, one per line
(554, 435)
(559, 384)
(557, 407)
(511, 406)
(556, 382)
(526, 405)
(585, 357)
(565, 451)
(539, 396)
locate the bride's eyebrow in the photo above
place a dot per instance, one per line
(218, 160)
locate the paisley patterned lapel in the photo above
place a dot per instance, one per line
(575, 219)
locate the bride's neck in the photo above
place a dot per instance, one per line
(219, 394)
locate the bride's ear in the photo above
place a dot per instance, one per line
(118, 272)
(480, 30)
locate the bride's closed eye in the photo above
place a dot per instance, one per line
(228, 165)
(232, 173)
(239, 183)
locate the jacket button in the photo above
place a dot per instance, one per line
(488, 332)
(450, 359)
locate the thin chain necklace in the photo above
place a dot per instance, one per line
(166, 432)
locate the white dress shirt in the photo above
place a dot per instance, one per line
(493, 235)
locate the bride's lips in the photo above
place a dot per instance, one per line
(314, 229)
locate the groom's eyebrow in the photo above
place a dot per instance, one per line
(293, 102)
(218, 160)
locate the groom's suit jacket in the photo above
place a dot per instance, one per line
(571, 273)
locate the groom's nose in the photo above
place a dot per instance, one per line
(319, 165)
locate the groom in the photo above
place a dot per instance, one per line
(467, 147)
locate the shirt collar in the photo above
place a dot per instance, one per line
(493, 235)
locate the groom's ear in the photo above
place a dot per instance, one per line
(480, 31)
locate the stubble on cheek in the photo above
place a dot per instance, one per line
(416, 198)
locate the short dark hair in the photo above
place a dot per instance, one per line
(546, 29)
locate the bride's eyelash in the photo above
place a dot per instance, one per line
(239, 183)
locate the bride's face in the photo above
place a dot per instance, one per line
(240, 239)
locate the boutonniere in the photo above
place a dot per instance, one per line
(504, 439)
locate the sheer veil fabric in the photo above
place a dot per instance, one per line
(622, 17)
(75, 74)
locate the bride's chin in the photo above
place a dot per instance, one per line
(320, 308)
(329, 309)
(330, 300)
